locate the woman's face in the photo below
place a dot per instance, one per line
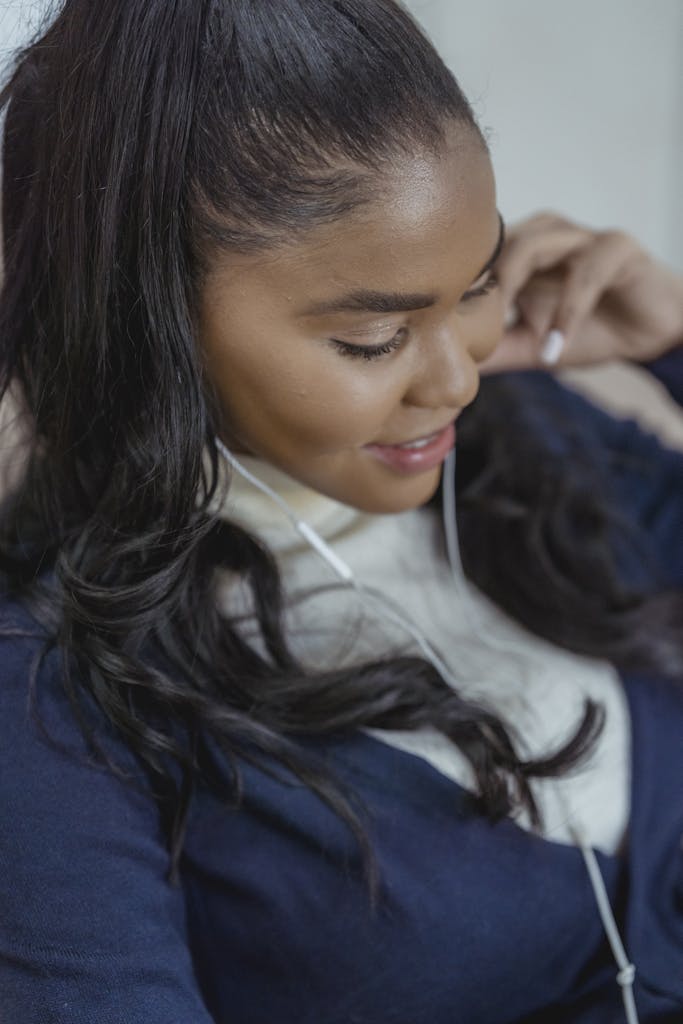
(366, 334)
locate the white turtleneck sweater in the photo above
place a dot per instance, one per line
(539, 690)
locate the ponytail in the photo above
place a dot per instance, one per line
(96, 220)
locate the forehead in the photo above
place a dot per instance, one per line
(431, 212)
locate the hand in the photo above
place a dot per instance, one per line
(609, 298)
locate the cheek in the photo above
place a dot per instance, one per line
(346, 404)
(314, 399)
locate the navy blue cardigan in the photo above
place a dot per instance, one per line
(478, 923)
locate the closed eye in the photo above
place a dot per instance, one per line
(345, 348)
(368, 352)
(489, 284)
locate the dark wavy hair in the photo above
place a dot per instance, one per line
(142, 139)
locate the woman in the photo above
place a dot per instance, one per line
(253, 249)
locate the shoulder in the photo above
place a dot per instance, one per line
(84, 897)
(50, 770)
(25, 657)
(46, 717)
(36, 713)
(21, 634)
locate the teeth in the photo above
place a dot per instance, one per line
(418, 444)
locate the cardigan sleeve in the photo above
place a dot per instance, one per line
(91, 932)
(646, 475)
(668, 369)
(651, 476)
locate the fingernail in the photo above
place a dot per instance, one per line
(552, 347)
(511, 316)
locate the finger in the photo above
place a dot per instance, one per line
(540, 222)
(538, 305)
(529, 254)
(538, 302)
(590, 275)
(517, 350)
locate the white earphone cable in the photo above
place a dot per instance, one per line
(367, 594)
(627, 970)
(385, 607)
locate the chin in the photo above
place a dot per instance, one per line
(398, 495)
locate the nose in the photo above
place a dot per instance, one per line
(446, 375)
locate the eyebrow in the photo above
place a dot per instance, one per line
(364, 301)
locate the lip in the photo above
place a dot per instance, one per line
(415, 460)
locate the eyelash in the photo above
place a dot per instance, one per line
(345, 348)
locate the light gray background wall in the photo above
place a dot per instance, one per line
(584, 100)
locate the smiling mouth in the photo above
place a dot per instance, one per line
(418, 455)
(417, 442)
